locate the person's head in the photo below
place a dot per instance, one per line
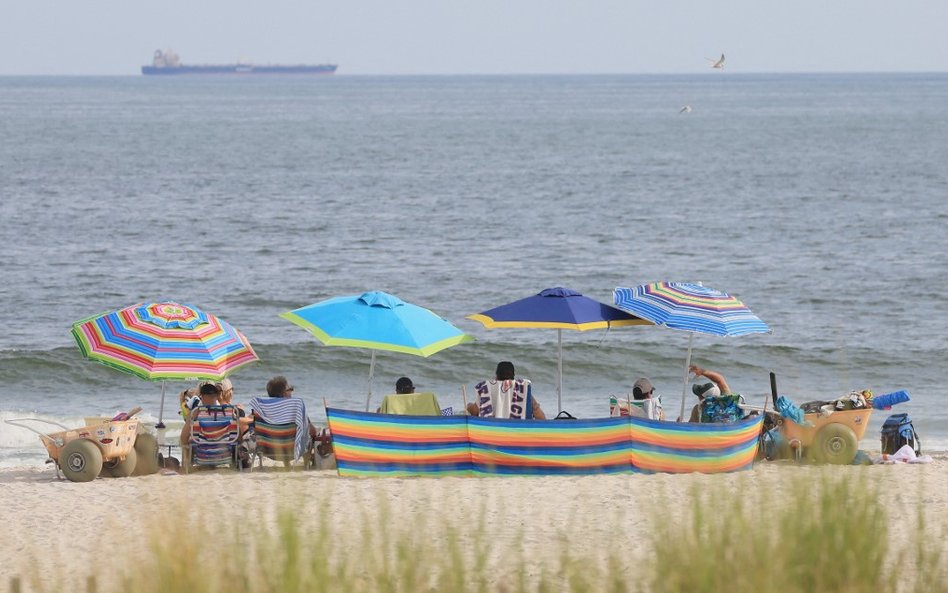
(706, 390)
(505, 371)
(642, 389)
(210, 393)
(279, 387)
(404, 385)
(227, 391)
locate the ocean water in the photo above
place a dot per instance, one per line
(820, 200)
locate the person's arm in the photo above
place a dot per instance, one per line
(695, 414)
(537, 410)
(718, 378)
(186, 432)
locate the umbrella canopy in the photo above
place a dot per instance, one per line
(557, 308)
(690, 307)
(161, 341)
(377, 320)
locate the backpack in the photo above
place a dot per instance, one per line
(897, 431)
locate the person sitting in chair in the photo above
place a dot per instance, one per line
(209, 394)
(407, 401)
(505, 396)
(227, 398)
(278, 386)
(717, 387)
(646, 404)
(404, 385)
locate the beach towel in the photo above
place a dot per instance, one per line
(505, 399)
(789, 410)
(284, 410)
(411, 404)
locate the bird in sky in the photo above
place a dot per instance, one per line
(719, 63)
(685, 109)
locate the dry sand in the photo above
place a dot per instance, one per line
(54, 525)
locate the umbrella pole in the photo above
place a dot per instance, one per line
(559, 366)
(371, 376)
(684, 385)
(161, 410)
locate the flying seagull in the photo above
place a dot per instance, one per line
(685, 109)
(719, 63)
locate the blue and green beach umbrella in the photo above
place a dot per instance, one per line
(377, 320)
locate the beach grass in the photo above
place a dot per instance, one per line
(830, 534)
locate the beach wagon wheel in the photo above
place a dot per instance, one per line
(835, 443)
(122, 468)
(80, 460)
(146, 449)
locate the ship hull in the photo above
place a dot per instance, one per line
(237, 69)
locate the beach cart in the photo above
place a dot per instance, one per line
(830, 432)
(823, 438)
(106, 447)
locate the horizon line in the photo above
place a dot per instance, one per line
(472, 74)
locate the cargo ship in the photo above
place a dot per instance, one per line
(167, 63)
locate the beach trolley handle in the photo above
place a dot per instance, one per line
(19, 422)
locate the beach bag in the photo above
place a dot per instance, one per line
(898, 430)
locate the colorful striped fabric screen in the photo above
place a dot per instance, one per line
(368, 444)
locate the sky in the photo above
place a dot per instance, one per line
(367, 37)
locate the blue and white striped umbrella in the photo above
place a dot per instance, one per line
(690, 307)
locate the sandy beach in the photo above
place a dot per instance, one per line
(55, 526)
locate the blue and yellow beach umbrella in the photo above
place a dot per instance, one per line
(557, 308)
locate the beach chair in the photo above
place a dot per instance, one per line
(215, 435)
(411, 404)
(638, 408)
(280, 431)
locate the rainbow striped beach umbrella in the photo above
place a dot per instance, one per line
(163, 341)
(690, 307)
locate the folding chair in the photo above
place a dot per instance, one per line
(280, 431)
(650, 408)
(215, 434)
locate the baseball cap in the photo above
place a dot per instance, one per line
(642, 388)
(706, 390)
